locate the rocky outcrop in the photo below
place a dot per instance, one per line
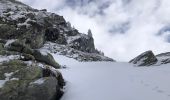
(21, 21)
(46, 58)
(73, 53)
(31, 54)
(148, 58)
(82, 43)
(22, 81)
(54, 35)
(24, 31)
(145, 59)
(36, 27)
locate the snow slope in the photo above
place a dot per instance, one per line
(114, 81)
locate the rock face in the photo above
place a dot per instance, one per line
(35, 27)
(21, 21)
(145, 59)
(148, 58)
(82, 43)
(22, 81)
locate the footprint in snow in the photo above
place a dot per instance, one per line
(141, 82)
(146, 85)
(160, 91)
(155, 88)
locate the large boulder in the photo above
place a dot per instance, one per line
(31, 54)
(46, 58)
(145, 59)
(21, 81)
(49, 89)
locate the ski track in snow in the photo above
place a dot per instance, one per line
(114, 81)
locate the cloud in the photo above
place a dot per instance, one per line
(121, 28)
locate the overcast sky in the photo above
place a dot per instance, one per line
(121, 28)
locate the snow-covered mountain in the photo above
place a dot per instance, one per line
(114, 81)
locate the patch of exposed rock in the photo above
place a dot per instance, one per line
(145, 59)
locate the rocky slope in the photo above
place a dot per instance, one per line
(35, 27)
(74, 53)
(27, 37)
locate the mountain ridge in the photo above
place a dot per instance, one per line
(36, 27)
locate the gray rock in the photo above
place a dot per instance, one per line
(26, 82)
(54, 35)
(20, 46)
(72, 32)
(30, 54)
(47, 90)
(48, 58)
(83, 43)
(145, 59)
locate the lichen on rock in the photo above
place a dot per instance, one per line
(20, 83)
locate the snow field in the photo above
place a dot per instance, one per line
(114, 81)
